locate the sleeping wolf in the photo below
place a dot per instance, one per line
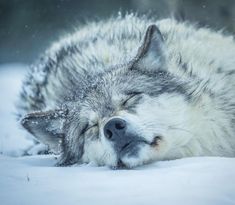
(132, 90)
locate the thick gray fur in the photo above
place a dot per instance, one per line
(180, 80)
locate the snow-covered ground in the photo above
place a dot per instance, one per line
(35, 179)
(199, 181)
(13, 140)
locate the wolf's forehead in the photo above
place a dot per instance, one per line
(102, 101)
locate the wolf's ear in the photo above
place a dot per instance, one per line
(46, 127)
(151, 54)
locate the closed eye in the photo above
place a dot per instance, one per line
(87, 127)
(132, 98)
(90, 127)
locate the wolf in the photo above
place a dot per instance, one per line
(132, 90)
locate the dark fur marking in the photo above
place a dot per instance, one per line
(219, 70)
(232, 72)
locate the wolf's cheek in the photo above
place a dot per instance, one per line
(166, 116)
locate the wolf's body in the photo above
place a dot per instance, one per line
(188, 111)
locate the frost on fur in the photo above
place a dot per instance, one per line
(131, 90)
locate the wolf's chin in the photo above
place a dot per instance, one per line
(129, 163)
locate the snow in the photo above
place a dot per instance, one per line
(13, 140)
(35, 180)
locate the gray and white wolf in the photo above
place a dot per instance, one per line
(131, 90)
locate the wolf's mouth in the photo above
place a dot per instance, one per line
(155, 141)
(121, 165)
(131, 149)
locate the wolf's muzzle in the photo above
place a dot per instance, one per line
(124, 141)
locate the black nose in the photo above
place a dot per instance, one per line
(115, 129)
(123, 141)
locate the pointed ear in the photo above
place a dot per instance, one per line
(151, 54)
(46, 127)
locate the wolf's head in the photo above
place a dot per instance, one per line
(129, 115)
